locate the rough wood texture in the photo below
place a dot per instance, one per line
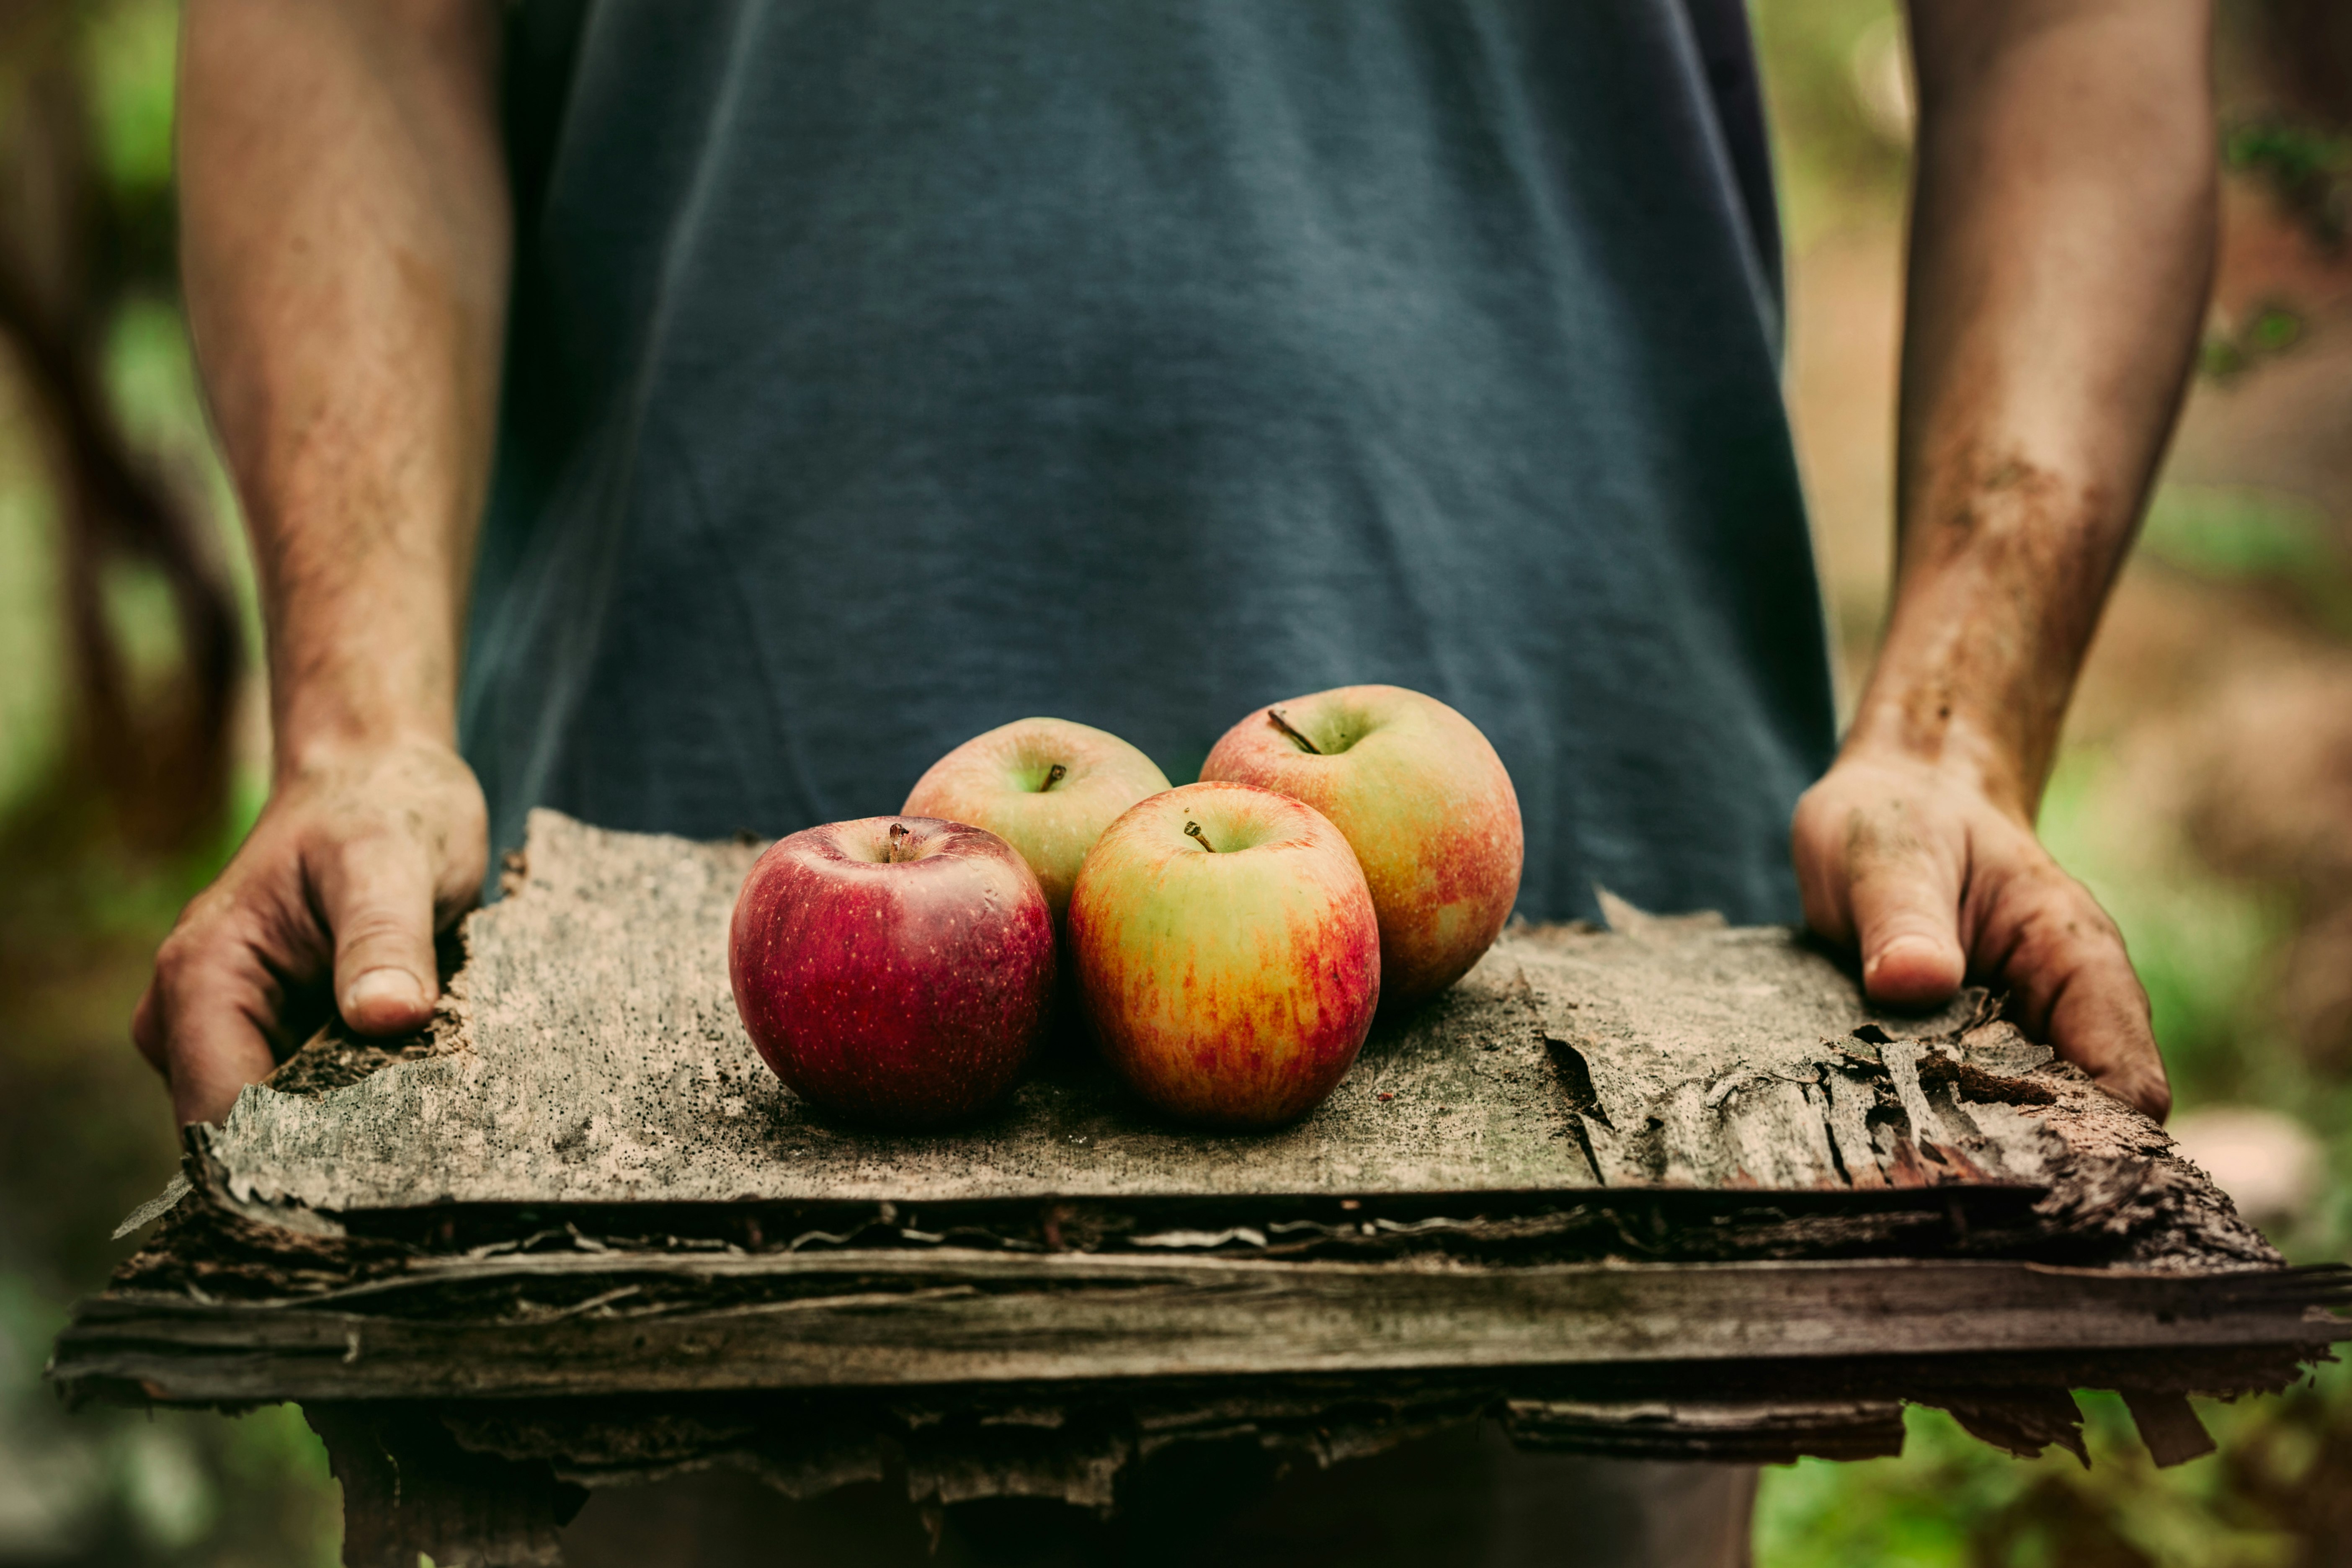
(598, 1323)
(591, 1053)
(1670, 1189)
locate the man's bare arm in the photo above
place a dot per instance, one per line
(345, 245)
(2062, 242)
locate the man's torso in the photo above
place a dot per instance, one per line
(883, 373)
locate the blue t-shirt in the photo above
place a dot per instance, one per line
(881, 372)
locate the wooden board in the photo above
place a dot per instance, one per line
(595, 1324)
(1668, 1189)
(589, 1053)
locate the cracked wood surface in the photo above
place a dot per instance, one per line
(589, 1053)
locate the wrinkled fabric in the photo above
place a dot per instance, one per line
(881, 372)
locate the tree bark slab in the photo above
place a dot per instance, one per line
(590, 1054)
(1670, 1189)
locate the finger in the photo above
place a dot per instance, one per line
(207, 1000)
(2073, 984)
(147, 1030)
(2101, 1024)
(1817, 844)
(376, 892)
(1904, 893)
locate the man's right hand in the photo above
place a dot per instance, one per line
(358, 859)
(344, 245)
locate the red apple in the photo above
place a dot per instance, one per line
(1424, 801)
(1226, 947)
(1046, 786)
(894, 969)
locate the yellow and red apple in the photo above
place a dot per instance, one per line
(1226, 946)
(1422, 798)
(1046, 786)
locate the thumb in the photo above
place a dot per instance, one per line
(377, 894)
(1906, 899)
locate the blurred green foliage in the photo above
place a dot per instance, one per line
(128, 52)
(2307, 168)
(2240, 535)
(1836, 159)
(2201, 943)
(84, 1133)
(31, 659)
(1952, 1502)
(2290, 156)
(2230, 351)
(2277, 544)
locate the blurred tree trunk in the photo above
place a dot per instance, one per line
(2307, 50)
(160, 757)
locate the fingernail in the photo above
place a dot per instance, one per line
(1925, 946)
(385, 989)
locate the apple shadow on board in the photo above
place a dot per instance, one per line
(1045, 902)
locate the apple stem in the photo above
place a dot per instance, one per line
(898, 837)
(1273, 716)
(1193, 829)
(1053, 777)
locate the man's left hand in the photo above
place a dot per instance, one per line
(1934, 883)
